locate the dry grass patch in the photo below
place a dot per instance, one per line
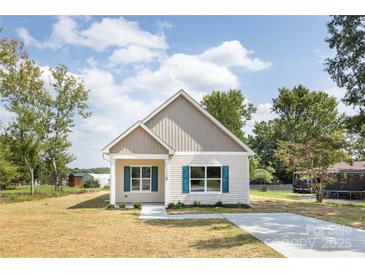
(346, 214)
(81, 226)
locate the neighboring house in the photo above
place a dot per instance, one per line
(77, 179)
(350, 180)
(178, 153)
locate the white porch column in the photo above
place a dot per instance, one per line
(167, 182)
(112, 182)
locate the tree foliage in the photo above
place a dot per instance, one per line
(38, 134)
(69, 99)
(21, 89)
(262, 176)
(304, 115)
(347, 67)
(8, 170)
(313, 159)
(230, 109)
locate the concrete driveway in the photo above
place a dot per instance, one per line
(290, 234)
(298, 236)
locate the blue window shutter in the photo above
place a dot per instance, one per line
(154, 178)
(127, 178)
(185, 179)
(225, 179)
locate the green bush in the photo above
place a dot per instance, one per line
(106, 187)
(137, 205)
(122, 205)
(239, 205)
(179, 204)
(218, 204)
(171, 205)
(262, 176)
(91, 183)
(197, 204)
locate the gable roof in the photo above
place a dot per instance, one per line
(204, 112)
(129, 130)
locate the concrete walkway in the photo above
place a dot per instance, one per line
(290, 234)
(153, 211)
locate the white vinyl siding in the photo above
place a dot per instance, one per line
(238, 179)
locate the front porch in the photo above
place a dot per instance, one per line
(138, 178)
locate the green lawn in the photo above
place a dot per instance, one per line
(276, 194)
(22, 193)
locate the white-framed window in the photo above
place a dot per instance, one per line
(141, 178)
(205, 178)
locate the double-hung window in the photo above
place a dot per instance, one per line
(205, 178)
(141, 178)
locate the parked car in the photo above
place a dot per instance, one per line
(301, 186)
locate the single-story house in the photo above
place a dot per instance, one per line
(349, 180)
(179, 152)
(77, 179)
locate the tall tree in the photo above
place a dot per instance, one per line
(21, 88)
(347, 67)
(69, 99)
(230, 109)
(304, 115)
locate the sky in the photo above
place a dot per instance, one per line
(132, 64)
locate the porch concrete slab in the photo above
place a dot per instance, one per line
(298, 236)
(153, 211)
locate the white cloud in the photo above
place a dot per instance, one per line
(134, 54)
(233, 54)
(181, 71)
(109, 32)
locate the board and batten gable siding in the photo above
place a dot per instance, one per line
(184, 128)
(138, 141)
(131, 196)
(238, 179)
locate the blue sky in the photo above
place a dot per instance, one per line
(131, 64)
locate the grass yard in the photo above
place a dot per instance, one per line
(346, 214)
(81, 226)
(275, 194)
(22, 193)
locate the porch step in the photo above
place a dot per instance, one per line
(153, 211)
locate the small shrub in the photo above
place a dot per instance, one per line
(179, 205)
(262, 176)
(137, 205)
(106, 187)
(110, 207)
(122, 205)
(171, 205)
(197, 204)
(218, 204)
(91, 183)
(239, 205)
